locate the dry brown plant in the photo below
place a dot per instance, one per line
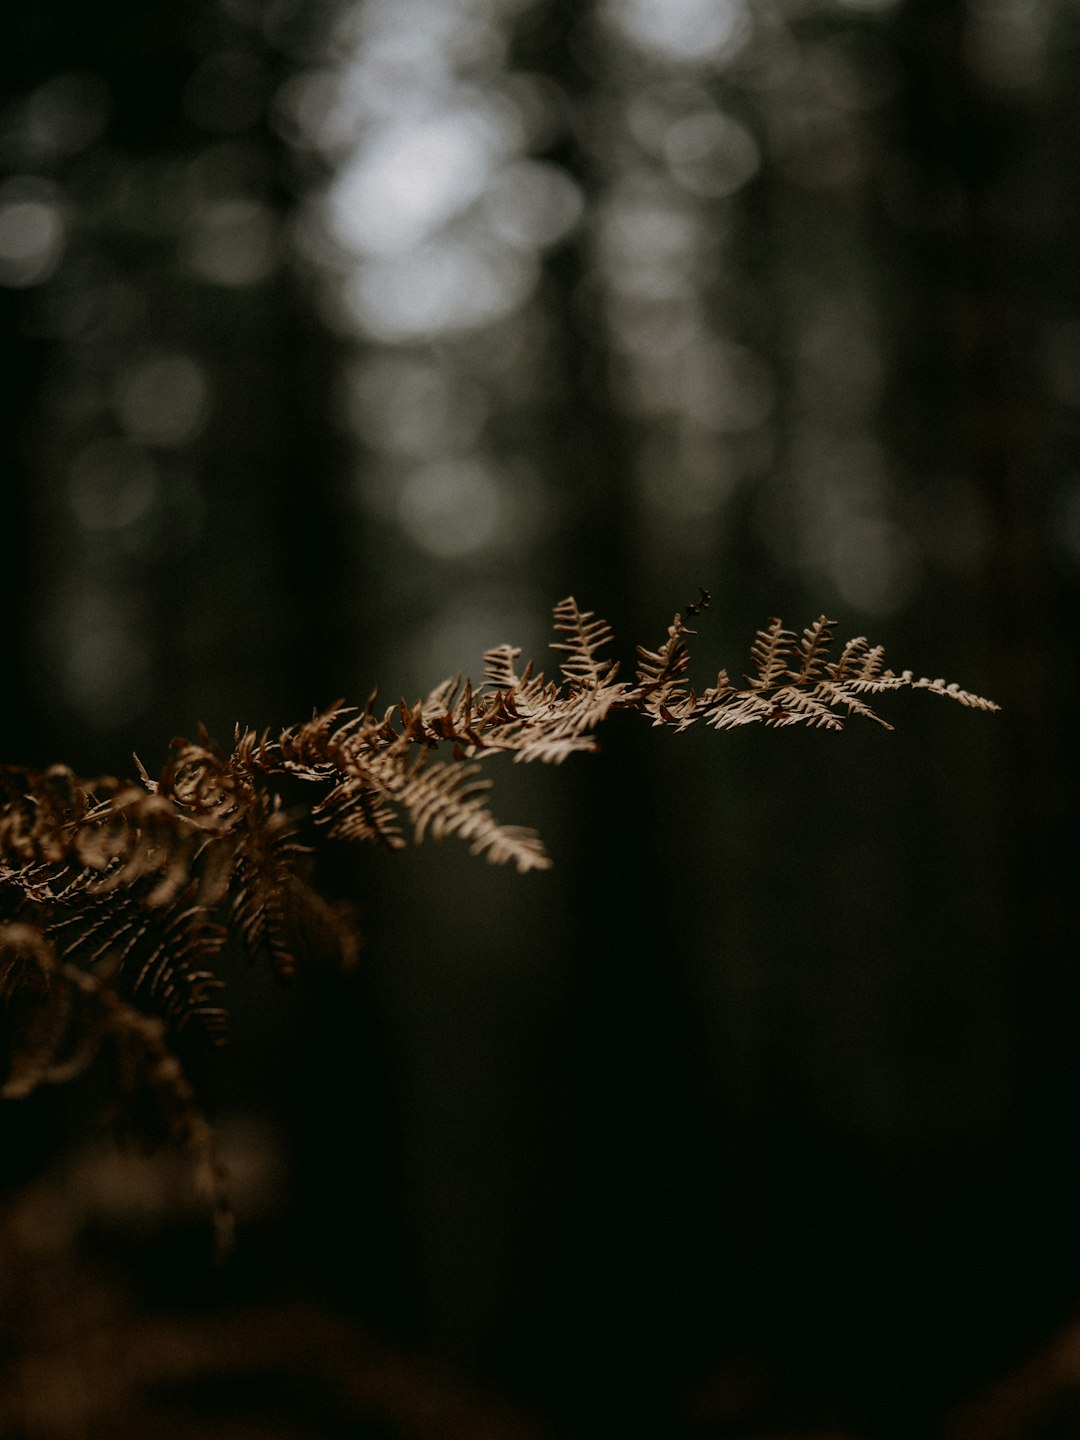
(118, 895)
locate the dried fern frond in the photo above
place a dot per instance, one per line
(662, 689)
(67, 1016)
(47, 1035)
(812, 650)
(499, 667)
(448, 799)
(587, 636)
(950, 691)
(266, 861)
(770, 652)
(118, 897)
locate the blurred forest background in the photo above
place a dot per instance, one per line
(340, 339)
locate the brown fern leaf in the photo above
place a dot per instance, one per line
(540, 722)
(453, 716)
(266, 862)
(533, 701)
(793, 706)
(732, 708)
(796, 684)
(356, 809)
(204, 785)
(123, 893)
(36, 812)
(532, 719)
(47, 1038)
(813, 650)
(659, 669)
(587, 636)
(500, 667)
(842, 696)
(131, 836)
(441, 700)
(858, 661)
(116, 896)
(330, 749)
(950, 691)
(176, 969)
(165, 954)
(552, 744)
(771, 649)
(58, 1016)
(153, 1087)
(662, 690)
(851, 658)
(447, 799)
(680, 714)
(555, 721)
(312, 751)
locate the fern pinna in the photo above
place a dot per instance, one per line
(117, 897)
